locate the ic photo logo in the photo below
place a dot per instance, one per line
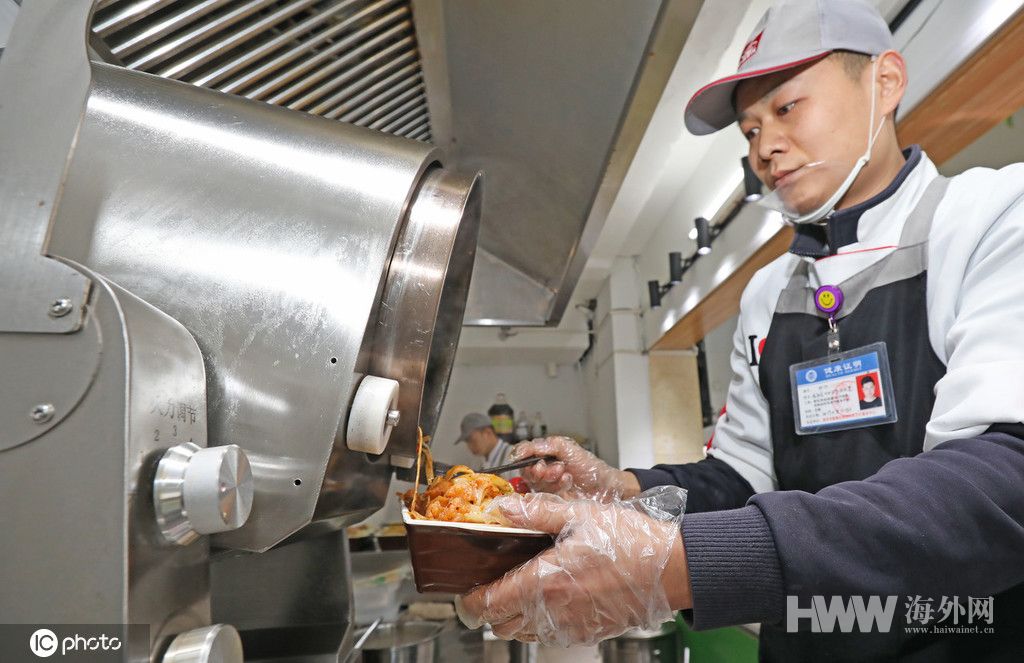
(43, 643)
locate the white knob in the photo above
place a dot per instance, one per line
(373, 415)
(202, 491)
(211, 644)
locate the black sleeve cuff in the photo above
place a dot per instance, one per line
(734, 568)
(654, 477)
(711, 483)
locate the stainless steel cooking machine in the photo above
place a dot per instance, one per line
(221, 322)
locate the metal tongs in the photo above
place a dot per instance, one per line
(508, 467)
(441, 468)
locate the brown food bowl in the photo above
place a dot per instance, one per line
(392, 536)
(360, 538)
(393, 542)
(456, 557)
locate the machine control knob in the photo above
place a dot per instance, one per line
(373, 415)
(211, 644)
(202, 491)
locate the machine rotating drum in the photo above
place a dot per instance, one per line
(301, 253)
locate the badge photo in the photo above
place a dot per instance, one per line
(848, 390)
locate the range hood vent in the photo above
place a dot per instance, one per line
(356, 61)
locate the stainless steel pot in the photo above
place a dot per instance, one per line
(660, 645)
(401, 642)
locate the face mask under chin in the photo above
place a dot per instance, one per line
(789, 198)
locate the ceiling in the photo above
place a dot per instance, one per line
(356, 61)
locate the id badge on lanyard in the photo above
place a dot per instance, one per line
(844, 389)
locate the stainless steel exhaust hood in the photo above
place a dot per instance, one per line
(548, 97)
(550, 100)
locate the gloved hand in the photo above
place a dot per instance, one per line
(614, 566)
(578, 473)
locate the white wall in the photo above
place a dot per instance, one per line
(599, 391)
(702, 194)
(528, 387)
(8, 12)
(616, 372)
(563, 344)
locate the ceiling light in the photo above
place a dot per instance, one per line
(654, 290)
(675, 267)
(703, 228)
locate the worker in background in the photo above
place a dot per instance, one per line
(894, 271)
(482, 441)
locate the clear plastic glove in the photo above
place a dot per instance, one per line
(614, 566)
(578, 473)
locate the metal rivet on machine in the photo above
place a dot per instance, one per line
(61, 307)
(43, 413)
(393, 417)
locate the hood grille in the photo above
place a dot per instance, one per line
(356, 61)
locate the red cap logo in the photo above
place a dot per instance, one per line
(750, 50)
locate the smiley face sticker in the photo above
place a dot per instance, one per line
(828, 299)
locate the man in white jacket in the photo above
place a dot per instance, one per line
(895, 272)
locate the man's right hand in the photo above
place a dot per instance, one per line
(578, 473)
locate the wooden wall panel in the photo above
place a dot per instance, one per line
(980, 94)
(676, 419)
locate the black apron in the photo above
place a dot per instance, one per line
(885, 302)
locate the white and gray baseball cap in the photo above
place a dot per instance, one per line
(791, 33)
(472, 422)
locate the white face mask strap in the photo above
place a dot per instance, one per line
(819, 215)
(872, 131)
